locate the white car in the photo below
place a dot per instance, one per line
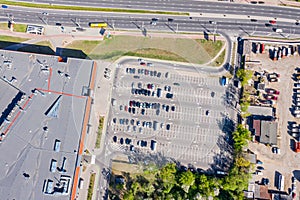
(259, 173)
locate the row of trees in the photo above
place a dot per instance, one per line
(169, 182)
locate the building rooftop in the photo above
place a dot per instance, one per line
(43, 139)
(256, 127)
(261, 192)
(260, 110)
(268, 132)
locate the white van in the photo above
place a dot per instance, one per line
(153, 145)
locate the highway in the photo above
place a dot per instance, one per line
(192, 6)
(118, 21)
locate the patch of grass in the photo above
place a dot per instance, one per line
(108, 56)
(232, 56)
(211, 47)
(99, 132)
(45, 43)
(219, 61)
(12, 39)
(156, 54)
(64, 7)
(91, 187)
(6, 41)
(177, 49)
(87, 46)
(17, 27)
(20, 28)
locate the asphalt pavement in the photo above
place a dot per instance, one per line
(238, 26)
(193, 6)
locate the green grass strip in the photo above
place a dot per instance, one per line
(85, 8)
(91, 187)
(99, 133)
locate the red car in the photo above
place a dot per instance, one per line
(272, 21)
(272, 91)
(271, 97)
(130, 103)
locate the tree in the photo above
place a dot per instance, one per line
(207, 185)
(244, 106)
(241, 162)
(167, 177)
(186, 179)
(240, 138)
(128, 195)
(244, 75)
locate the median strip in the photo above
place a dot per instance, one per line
(84, 8)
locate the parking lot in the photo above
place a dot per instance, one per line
(285, 161)
(178, 113)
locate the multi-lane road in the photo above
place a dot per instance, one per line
(233, 26)
(193, 6)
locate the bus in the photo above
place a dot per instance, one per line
(97, 24)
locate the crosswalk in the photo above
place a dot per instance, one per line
(118, 147)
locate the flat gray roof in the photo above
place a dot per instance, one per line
(268, 132)
(27, 148)
(260, 110)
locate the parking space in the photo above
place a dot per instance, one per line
(178, 113)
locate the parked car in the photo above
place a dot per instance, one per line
(127, 141)
(131, 148)
(259, 162)
(273, 75)
(173, 108)
(272, 91)
(168, 126)
(207, 112)
(169, 96)
(271, 97)
(121, 141)
(168, 88)
(265, 181)
(258, 172)
(276, 150)
(260, 168)
(115, 138)
(297, 85)
(273, 80)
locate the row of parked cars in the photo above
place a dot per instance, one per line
(277, 53)
(153, 73)
(138, 124)
(296, 96)
(139, 143)
(294, 129)
(271, 94)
